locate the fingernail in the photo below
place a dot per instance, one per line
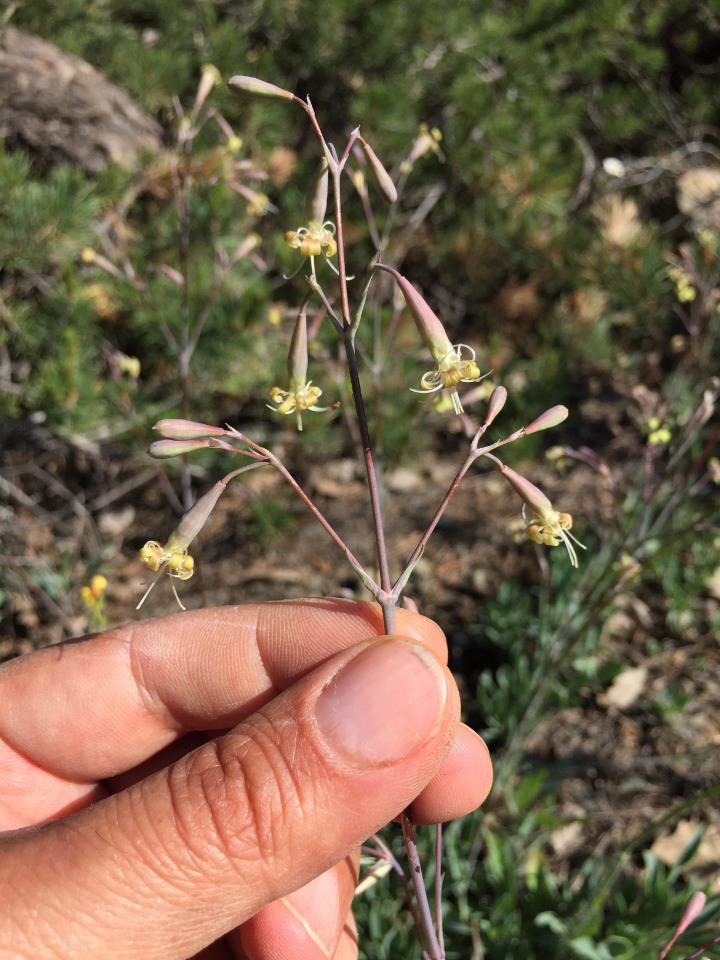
(382, 704)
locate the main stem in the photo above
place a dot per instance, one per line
(370, 470)
(388, 597)
(183, 208)
(435, 951)
(388, 604)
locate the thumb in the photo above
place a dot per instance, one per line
(174, 862)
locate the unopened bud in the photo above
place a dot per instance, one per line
(171, 273)
(426, 142)
(98, 585)
(298, 354)
(316, 205)
(695, 906)
(528, 492)
(164, 449)
(551, 418)
(383, 180)
(497, 402)
(260, 88)
(186, 430)
(210, 77)
(428, 323)
(194, 520)
(706, 408)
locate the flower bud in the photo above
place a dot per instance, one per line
(186, 430)
(428, 141)
(706, 408)
(383, 180)
(298, 354)
(528, 492)
(260, 88)
(209, 78)
(546, 526)
(551, 418)
(172, 274)
(164, 449)
(194, 520)
(98, 585)
(695, 906)
(428, 323)
(497, 402)
(317, 199)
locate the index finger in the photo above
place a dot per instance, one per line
(89, 710)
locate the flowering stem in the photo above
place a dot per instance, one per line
(387, 854)
(434, 949)
(181, 189)
(309, 110)
(370, 469)
(475, 453)
(361, 306)
(422, 542)
(706, 946)
(388, 604)
(438, 885)
(342, 268)
(383, 592)
(312, 280)
(329, 529)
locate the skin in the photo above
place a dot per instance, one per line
(199, 785)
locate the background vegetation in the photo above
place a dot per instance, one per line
(571, 226)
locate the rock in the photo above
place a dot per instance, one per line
(62, 110)
(626, 688)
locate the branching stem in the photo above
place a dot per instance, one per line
(386, 593)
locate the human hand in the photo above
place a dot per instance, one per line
(203, 781)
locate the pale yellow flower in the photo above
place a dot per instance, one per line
(550, 528)
(301, 396)
(314, 239)
(454, 366)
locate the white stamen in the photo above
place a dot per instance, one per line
(155, 580)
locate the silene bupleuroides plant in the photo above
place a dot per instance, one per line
(321, 240)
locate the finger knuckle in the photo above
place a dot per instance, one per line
(247, 790)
